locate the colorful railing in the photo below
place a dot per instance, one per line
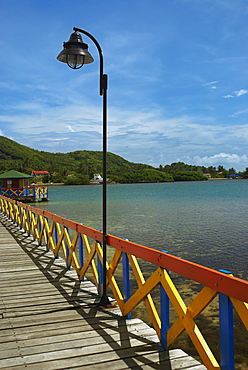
(81, 248)
(29, 192)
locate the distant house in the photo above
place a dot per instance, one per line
(39, 173)
(208, 175)
(98, 177)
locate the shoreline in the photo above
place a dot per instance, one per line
(97, 183)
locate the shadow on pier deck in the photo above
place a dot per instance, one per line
(49, 320)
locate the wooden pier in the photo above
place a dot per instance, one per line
(49, 320)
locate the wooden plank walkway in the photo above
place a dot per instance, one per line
(49, 320)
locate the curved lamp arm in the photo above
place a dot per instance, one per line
(103, 77)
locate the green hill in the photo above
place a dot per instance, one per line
(81, 164)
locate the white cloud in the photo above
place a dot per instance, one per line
(56, 139)
(241, 92)
(240, 113)
(70, 128)
(43, 118)
(220, 158)
(236, 94)
(210, 83)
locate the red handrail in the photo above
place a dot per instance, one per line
(219, 281)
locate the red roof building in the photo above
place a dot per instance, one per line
(39, 173)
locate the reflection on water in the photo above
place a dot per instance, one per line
(204, 222)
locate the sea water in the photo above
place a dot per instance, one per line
(204, 222)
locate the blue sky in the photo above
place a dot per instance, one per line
(178, 79)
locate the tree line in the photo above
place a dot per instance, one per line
(79, 167)
(215, 172)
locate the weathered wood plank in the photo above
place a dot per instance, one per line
(49, 320)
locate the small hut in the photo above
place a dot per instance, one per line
(15, 185)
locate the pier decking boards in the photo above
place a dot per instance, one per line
(49, 320)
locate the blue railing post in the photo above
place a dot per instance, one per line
(29, 220)
(81, 252)
(15, 218)
(47, 236)
(67, 252)
(164, 314)
(226, 330)
(126, 279)
(100, 275)
(56, 237)
(100, 272)
(21, 214)
(39, 228)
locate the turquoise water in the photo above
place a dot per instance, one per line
(204, 222)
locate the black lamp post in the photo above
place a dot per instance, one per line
(75, 54)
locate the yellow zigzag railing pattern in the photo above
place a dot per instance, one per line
(62, 236)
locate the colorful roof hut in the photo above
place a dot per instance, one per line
(15, 185)
(14, 179)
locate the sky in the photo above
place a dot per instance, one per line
(177, 71)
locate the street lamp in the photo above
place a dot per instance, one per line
(76, 54)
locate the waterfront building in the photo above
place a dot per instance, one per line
(15, 185)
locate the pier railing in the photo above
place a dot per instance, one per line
(81, 249)
(26, 193)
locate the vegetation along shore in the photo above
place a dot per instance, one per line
(79, 167)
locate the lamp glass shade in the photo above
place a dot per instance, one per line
(75, 52)
(75, 61)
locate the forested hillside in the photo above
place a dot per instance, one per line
(81, 166)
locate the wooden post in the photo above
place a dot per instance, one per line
(164, 314)
(126, 279)
(81, 252)
(226, 330)
(100, 274)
